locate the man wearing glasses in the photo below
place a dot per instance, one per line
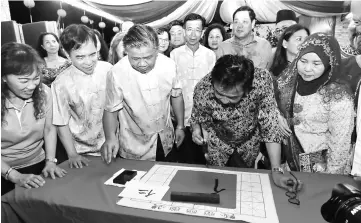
(244, 42)
(193, 62)
(285, 18)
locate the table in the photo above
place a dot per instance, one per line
(81, 196)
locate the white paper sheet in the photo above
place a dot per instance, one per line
(254, 199)
(109, 182)
(137, 190)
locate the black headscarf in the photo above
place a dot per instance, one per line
(328, 50)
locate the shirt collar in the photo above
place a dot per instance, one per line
(253, 41)
(188, 50)
(9, 105)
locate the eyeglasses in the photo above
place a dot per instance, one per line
(163, 40)
(280, 30)
(292, 196)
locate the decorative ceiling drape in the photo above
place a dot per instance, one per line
(206, 8)
(140, 13)
(159, 13)
(266, 10)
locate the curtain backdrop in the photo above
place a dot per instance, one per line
(266, 10)
(159, 13)
(140, 13)
(206, 8)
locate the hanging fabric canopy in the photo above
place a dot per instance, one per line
(156, 13)
(205, 8)
(318, 8)
(266, 10)
(139, 13)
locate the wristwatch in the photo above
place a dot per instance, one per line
(54, 160)
(278, 169)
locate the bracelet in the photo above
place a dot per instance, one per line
(8, 172)
(181, 128)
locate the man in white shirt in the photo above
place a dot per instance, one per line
(140, 90)
(193, 61)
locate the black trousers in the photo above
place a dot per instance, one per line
(188, 151)
(36, 169)
(160, 156)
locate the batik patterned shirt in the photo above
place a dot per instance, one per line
(242, 126)
(78, 101)
(325, 120)
(49, 74)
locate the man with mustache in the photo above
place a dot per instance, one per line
(140, 90)
(245, 42)
(79, 96)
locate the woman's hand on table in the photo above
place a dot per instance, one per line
(78, 161)
(282, 181)
(52, 170)
(109, 149)
(26, 180)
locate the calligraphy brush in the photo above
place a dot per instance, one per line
(204, 147)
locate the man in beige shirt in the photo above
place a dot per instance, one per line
(244, 42)
(140, 90)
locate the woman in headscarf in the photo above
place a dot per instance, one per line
(318, 107)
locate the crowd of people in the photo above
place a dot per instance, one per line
(182, 93)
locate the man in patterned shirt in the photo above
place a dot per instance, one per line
(235, 110)
(79, 96)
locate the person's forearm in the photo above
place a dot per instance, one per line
(67, 139)
(50, 140)
(178, 108)
(110, 124)
(274, 153)
(5, 167)
(196, 127)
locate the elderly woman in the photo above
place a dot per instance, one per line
(55, 59)
(213, 36)
(26, 120)
(318, 107)
(116, 51)
(234, 111)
